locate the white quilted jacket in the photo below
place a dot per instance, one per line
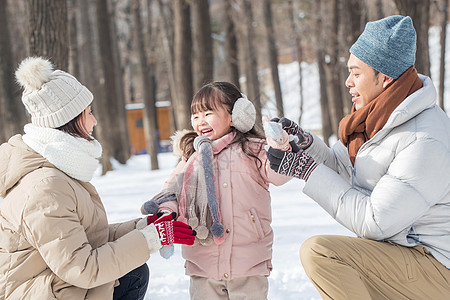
(399, 188)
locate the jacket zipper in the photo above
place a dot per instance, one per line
(254, 225)
(255, 222)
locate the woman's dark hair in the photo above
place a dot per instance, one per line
(210, 97)
(75, 127)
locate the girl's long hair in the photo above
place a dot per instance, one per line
(210, 97)
(75, 127)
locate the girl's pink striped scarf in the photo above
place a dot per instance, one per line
(190, 190)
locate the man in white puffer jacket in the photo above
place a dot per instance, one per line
(387, 179)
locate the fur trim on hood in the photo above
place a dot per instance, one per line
(182, 143)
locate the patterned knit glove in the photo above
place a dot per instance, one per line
(165, 231)
(304, 138)
(174, 232)
(167, 250)
(299, 164)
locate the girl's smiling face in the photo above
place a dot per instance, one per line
(212, 124)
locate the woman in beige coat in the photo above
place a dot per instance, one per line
(55, 240)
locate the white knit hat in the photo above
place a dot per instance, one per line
(243, 114)
(53, 98)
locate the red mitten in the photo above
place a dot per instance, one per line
(174, 232)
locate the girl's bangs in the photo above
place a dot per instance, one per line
(204, 101)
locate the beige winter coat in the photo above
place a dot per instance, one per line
(55, 241)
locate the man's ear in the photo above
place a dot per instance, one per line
(387, 81)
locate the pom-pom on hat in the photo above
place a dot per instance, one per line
(52, 97)
(243, 114)
(387, 45)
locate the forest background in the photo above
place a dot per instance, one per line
(149, 51)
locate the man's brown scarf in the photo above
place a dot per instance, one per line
(362, 124)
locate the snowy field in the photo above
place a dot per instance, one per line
(295, 218)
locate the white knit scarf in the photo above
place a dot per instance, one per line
(77, 157)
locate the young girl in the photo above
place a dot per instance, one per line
(232, 258)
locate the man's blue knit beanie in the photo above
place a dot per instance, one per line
(387, 45)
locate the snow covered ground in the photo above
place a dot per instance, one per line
(295, 218)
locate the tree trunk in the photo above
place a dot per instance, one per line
(320, 56)
(419, 11)
(74, 61)
(182, 66)
(18, 27)
(146, 75)
(122, 151)
(151, 48)
(231, 45)
(364, 14)
(247, 37)
(108, 65)
(379, 9)
(12, 111)
(167, 43)
(329, 33)
(91, 74)
(325, 114)
(350, 30)
(444, 18)
(48, 31)
(272, 51)
(202, 42)
(127, 53)
(299, 53)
